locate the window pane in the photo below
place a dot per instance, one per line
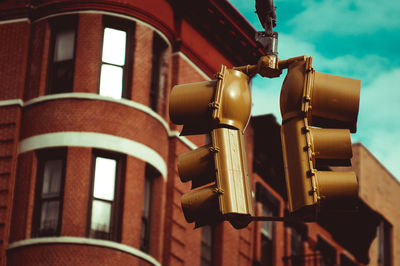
(147, 198)
(111, 81)
(52, 177)
(101, 216)
(64, 45)
(114, 46)
(49, 218)
(266, 227)
(104, 178)
(62, 77)
(206, 246)
(266, 251)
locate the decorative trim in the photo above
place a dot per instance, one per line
(17, 20)
(97, 97)
(95, 140)
(187, 142)
(93, 96)
(11, 102)
(101, 12)
(84, 241)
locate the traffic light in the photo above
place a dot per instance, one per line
(318, 113)
(218, 171)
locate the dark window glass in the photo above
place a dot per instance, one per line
(207, 246)
(116, 57)
(266, 237)
(62, 56)
(49, 193)
(296, 244)
(105, 204)
(159, 76)
(270, 207)
(150, 175)
(384, 244)
(327, 253)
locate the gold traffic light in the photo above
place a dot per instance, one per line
(218, 171)
(318, 113)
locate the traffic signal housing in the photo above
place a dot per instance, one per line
(219, 170)
(318, 113)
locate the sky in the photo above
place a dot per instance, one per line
(352, 38)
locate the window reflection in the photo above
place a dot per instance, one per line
(105, 208)
(104, 180)
(114, 46)
(101, 214)
(64, 45)
(52, 176)
(48, 202)
(113, 63)
(207, 241)
(111, 81)
(60, 73)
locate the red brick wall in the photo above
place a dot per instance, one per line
(9, 135)
(22, 204)
(76, 191)
(381, 191)
(94, 116)
(38, 57)
(14, 43)
(88, 53)
(142, 64)
(70, 254)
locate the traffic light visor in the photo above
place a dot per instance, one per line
(197, 166)
(334, 101)
(189, 106)
(334, 185)
(203, 106)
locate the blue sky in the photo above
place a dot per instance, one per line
(353, 38)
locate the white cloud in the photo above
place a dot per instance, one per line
(346, 17)
(379, 115)
(379, 119)
(364, 68)
(266, 93)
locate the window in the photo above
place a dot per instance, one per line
(62, 54)
(150, 175)
(384, 244)
(106, 199)
(49, 193)
(327, 253)
(298, 236)
(207, 246)
(159, 75)
(266, 237)
(116, 58)
(270, 207)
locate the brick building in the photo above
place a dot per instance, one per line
(88, 155)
